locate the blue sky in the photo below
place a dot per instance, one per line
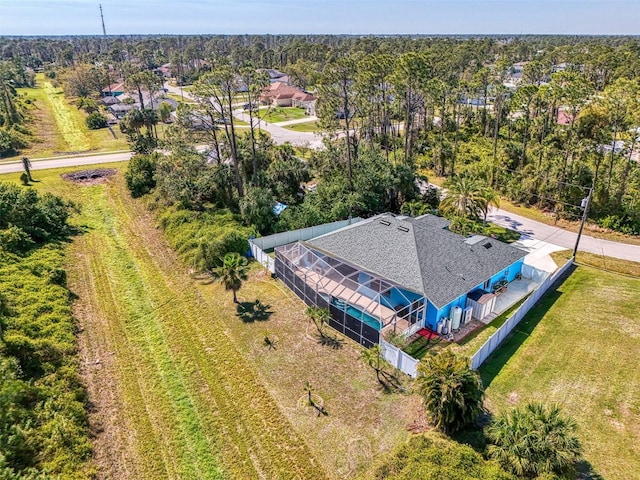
(81, 17)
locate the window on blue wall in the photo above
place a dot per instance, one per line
(487, 284)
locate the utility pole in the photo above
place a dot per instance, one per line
(104, 30)
(585, 209)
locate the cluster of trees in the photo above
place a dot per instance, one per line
(529, 441)
(14, 135)
(43, 425)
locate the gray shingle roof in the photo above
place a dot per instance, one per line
(420, 254)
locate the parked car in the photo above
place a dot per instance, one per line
(250, 106)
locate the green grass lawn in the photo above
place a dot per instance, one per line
(282, 114)
(580, 347)
(305, 127)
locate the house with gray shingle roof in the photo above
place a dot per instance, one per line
(398, 273)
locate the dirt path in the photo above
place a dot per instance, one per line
(173, 397)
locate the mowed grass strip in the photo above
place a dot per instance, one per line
(197, 407)
(254, 438)
(69, 122)
(42, 124)
(580, 347)
(165, 419)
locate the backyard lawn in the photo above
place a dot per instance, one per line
(580, 348)
(282, 114)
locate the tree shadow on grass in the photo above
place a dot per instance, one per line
(586, 472)
(498, 359)
(391, 382)
(250, 312)
(329, 341)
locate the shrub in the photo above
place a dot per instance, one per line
(535, 440)
(140, 174)
(11, 142)
(451, 391)
(96, 121)
(43, 427)
(201, 238)
(431, 456)
(39, 217)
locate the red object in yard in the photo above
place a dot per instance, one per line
(427, 333)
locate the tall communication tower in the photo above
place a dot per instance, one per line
(104, 30)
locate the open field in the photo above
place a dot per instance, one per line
(46, 136)
(579, 348)
(182, 384)
(614, 265)
(69, 122)
(59, 127)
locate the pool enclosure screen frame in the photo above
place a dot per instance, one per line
(362, 304)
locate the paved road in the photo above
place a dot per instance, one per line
(67, 162)
(281, 135)
(278, 134)
(563, 238)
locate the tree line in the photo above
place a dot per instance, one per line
(539, 119)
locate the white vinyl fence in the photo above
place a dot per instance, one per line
(496, 339)
(399, 359)
(263, 258)
(259, 245)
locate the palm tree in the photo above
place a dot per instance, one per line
(451, 391)
(232, 272)
(320, 317)
(534, 440)
(373, 357)
(466, 197)
(492, 198)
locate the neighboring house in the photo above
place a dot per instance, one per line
(275, 75)
(279, 94)
(564, 117)
(164, 70)
(119, 110)
(113, 90)
(119, 106)
(395, 273)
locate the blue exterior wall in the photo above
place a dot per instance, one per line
(510, 272)
(434, 315)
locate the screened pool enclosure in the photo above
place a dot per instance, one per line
(363, 305)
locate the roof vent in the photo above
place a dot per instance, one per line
(385, 222)
(403, 229)
(487, 245)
